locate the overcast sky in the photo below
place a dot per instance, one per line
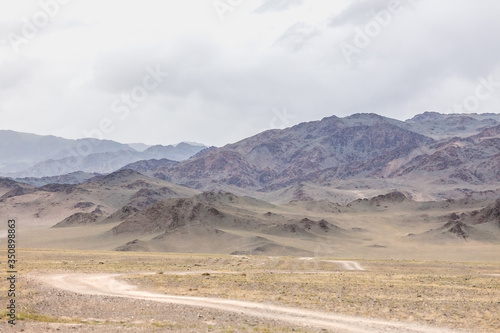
(215, 72)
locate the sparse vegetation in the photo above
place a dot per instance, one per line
(442, 294)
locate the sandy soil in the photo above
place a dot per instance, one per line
(156, 292)
(110, 285)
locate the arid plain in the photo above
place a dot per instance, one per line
(91, 291)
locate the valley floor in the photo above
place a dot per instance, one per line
(97, 291)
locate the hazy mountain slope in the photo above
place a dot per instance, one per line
(70, 178)
(442, 126)
(106, 162)
(30, 155)
(138, 146)
(158, 167)
(19, 151)
(95, 163)
(179, 152)
(151, 167)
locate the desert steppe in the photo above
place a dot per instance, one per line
(104, 291)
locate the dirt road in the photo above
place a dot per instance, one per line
(109, 285)
(347, 265)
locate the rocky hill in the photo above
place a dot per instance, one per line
(489, 214)
(87, 203)
(220, 222)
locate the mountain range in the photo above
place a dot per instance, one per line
(29, 155)
(363, 185)
(431, 156)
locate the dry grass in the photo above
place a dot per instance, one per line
(439, 294)
(446, 294)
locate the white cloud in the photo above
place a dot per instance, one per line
(226, 78)
(278, 5)
(297, 36)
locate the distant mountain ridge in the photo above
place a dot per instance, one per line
(29, 155)
(19, 151)
(440, 126)
(70, 178)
